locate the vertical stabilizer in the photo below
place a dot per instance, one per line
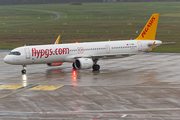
(149, 31)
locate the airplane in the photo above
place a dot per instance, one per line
(85, 55)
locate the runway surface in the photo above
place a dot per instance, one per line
(140, 87)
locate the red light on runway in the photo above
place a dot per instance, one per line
(74, 75)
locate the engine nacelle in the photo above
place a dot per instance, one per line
(54, 64)
(83, 63)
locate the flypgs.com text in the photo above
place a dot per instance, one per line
(49, 52)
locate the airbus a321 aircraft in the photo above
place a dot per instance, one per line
(85, 55)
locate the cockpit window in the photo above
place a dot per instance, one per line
(14, 53)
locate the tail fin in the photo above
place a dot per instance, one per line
(57, 40)
(149, 31)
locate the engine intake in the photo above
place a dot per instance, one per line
(83, 63)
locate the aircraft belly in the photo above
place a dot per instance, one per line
(47, 60)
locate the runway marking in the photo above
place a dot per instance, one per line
(123, 116)
(19, 88)
(46, 87)
(130, 110)
(23, 88)
(86, 113)
(10, 87)
(98, 117)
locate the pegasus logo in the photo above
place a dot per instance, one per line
(148, 26)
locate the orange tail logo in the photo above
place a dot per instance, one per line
(149, 31)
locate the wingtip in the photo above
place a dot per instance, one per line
(57, 40)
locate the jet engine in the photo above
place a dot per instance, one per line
(54, 64)
(83, 63)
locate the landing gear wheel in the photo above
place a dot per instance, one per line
(23, 71)
(96, 67)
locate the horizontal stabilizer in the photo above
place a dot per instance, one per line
(167, 43)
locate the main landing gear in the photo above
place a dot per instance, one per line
(96, 67)
(24, 69)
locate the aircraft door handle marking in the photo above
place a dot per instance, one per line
(107, 49)
(80, 50)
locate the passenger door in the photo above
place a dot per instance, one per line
(107, 49)
(139, 45)
(27, 52)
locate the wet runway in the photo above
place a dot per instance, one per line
(142, 87)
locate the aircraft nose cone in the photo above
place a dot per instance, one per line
(6, 60)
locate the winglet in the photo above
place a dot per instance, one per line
(149, 31)
(151, 47)
(57, 40)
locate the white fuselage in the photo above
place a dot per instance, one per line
(41, 54)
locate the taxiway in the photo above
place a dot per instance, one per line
(142, 86)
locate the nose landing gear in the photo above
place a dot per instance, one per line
(23, 71)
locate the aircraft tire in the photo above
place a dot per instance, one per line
(96, 67)
(23, 71)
